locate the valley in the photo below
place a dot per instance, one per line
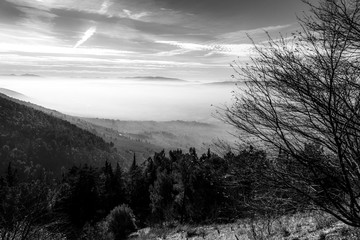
(142, 138)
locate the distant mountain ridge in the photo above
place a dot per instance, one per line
(21, 75)
(222, 83)
(170, 134)
(157, 78)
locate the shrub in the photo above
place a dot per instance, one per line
(97, 231)
(285, 232)
(121, 222)
(322, 236)
(324, 221)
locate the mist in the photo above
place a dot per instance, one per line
(124, 99)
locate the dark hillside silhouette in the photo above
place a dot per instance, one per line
(32, 139)
(124, 144)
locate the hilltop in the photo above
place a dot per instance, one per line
(156, 79)
(14, 94)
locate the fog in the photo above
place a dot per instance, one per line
(124, 99)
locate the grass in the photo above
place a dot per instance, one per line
(301, 226)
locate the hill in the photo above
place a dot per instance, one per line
(223, 83)
(146, 137)
(126, 147)
(34, 141)
(156, 79)
(21, 75)
(169, 134)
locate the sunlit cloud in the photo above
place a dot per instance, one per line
(105, 6)
(33, 48)
(188, 46)
(258, 34)
(227, 49)
(136, 16)
(88, 34)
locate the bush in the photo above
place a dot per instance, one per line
(121, 222)
(322, 236)
(97, 231)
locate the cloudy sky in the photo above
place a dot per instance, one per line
(188, 39)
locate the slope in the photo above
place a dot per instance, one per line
(37, 142)
(125, 146)
(170, 134)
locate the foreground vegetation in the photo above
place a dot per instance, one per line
(181, 188)
(305, 89)
(300, 226)
(170, 193)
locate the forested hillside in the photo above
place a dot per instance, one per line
(125, 145)
(34, 141)
(170, 134)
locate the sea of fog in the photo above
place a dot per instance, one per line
(124, 99)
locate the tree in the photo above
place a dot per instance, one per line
(78, 196)
(162, 197)
(138, 191)
(25, 211)
(304, 90)
(121, 222)
(112, 189)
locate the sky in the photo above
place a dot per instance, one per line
(195, 40)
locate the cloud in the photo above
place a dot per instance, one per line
(134, 16)
(211, 48)
(257, 34)
(9, 12)
(188, 46)
(105, 7)
(49, 49)
(130, 34)
(80, 64)
(88, 34)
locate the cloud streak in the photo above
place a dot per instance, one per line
(105, 7)
(210, 49)
(87, 35)
(134, 16)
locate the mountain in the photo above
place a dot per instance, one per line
(29, 75)
(37, 142)
(143, 138)
(224, 83)
(125, 146)
(21, 75)
(170, 134)
(157, 79)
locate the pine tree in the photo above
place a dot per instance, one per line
(11, 175)
(133, 166)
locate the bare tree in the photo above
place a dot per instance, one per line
(302, 99)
